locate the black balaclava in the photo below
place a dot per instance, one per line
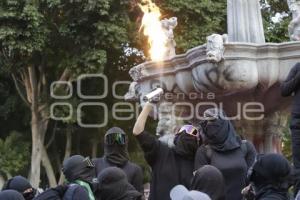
(220, 133)
(209, 179)
(11, 195)
(79, 168)
(20, 184)
(113, 185)
(185, 145)
(116, 154)
(270, 174)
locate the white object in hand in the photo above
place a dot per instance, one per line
(154, 94)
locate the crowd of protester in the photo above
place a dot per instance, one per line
(207, 162)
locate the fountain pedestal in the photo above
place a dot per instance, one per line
(228, 74)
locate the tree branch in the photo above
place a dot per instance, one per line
(19, 91)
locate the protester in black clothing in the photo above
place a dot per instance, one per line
(226, 151)
(170, 166)
(22, 185)
(209, 179)
(291, 86)
(116, 155)
(11, 195)
(270, 177)
(81, 171)
(114, 185)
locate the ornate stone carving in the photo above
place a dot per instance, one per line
(215, 47)
(167, 122)
(133, 93)
(294, 26)
(136, 73)
(168, 25)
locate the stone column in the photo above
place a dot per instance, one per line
(244, 21)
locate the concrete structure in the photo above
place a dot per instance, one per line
(236, 75)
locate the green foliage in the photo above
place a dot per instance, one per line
(275, 31)
(196, 20)
(14, 153)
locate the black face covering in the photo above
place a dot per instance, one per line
(20, 184)
(220, 133)
(116, 153)
(79, 168)
(186, 145)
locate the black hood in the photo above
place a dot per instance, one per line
(220, 133)
(20, 184)
(11, 195)
(186, 145)
(113, 185)
(116, 154)
(209, 179)
(79, 168)
(271, 169)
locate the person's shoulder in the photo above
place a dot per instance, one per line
(79, 192)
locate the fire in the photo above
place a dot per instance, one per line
(152, 28)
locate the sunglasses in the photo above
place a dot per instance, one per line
(190, 130)
(115, 138)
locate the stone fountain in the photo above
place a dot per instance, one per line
(238, 72)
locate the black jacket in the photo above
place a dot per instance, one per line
(168, 167)
(134, 172)
(292, 86)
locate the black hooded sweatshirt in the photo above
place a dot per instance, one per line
(226, 154)
(292, 85)
(270, 177)
(208, 179)
(11, 195)
(170, 166)
(116, 155)
(76, 168)
(113, 185)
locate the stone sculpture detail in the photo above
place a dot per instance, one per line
(133, 92)
(168, 26)
(244, 21)
(294, 26)
(215, 47)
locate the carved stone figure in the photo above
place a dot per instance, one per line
(168, 25)
(294, 26)
(215, 47)
(244, 21)
(133, 92)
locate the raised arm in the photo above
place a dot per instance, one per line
(148, 142)
(139, 125)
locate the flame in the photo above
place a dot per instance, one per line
(152, 28)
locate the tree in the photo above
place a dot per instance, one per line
(14, 154)
(44, 41)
